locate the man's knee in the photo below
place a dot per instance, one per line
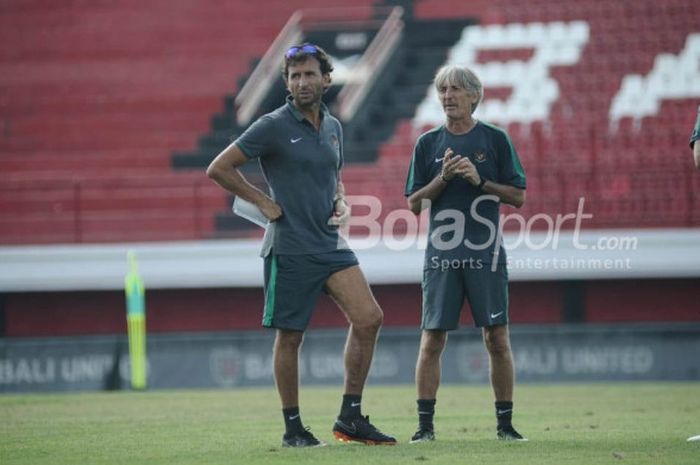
(375, 318)
(371, 319)
(432, 343)
(497, 341)
(289, 340)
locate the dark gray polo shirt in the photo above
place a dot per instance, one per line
(302, 167)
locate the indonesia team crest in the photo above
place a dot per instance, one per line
(479, 156)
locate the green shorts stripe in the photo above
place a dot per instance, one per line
(294, 282)
(270, 292)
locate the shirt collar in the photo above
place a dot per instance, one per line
(297, 114)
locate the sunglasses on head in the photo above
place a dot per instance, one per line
(297, 50)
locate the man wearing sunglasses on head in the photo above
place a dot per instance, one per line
(300, 149)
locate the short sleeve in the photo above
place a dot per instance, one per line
(510, 170)
(256, 141)
(341, 145)
(695, 135)
(418, 176)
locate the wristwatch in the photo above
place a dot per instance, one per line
(481, 184)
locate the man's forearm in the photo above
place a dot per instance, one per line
(430, 192)
(340, 190)
(508, 194)
(233, 181)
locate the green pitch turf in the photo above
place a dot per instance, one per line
(587, 424)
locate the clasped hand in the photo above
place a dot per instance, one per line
(457, 165)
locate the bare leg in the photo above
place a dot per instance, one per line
(351, 292)
(497, 341)
(286, 366)
(428, 367)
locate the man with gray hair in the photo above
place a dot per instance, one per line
(463, 170)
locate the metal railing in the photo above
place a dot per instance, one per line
(371, 64)
(265, 74)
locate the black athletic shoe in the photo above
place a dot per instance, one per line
(509, 434)
(361, 430)
(301, 439)
(423, 435)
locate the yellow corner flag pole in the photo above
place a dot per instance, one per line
(136, 321)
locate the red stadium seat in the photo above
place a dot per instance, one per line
(110, 90)
(106, 92)
(630, 170)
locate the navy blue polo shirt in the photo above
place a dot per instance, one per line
(490, 150)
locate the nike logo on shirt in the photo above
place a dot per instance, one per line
(294, 141)
(438, 160)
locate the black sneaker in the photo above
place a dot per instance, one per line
(301, 439)
(509, 434)
(422, 435)
(361, 430)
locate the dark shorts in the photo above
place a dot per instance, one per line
(294, 282)
(444, 293)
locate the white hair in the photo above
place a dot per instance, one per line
(461, 77)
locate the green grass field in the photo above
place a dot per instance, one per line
(566, 423)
